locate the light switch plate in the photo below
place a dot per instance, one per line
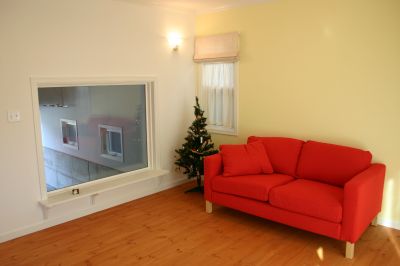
(14, 116)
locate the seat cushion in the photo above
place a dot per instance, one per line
(311, 198)
(283, 153)
(245, 159)
(332, 164)
(250, 186)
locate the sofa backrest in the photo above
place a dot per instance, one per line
(283, 153)
(332, 164)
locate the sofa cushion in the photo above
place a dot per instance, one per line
(245, 159)
(332, 164)
(254, 186)
(311, 198)
(282, 152)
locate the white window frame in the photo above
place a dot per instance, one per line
(72, 145)
(220, 129)
(153, 156)
(104, 147)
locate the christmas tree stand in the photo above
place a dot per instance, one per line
(199, 187)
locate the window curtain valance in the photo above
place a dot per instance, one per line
(221, 47)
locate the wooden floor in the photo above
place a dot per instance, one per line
(172, 228)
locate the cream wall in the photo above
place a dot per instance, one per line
(321, 70)
(85, 38)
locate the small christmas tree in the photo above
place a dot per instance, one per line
(198, 144)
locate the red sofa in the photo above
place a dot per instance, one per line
(323, 188)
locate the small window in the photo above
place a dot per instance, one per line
(111, 142)
(218, 94)
(69, 133)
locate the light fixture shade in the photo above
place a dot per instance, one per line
(221, 47)
(174, 40)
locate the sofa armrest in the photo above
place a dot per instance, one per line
(212, 168)
(362, 201)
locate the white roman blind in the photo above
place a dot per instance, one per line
(221, 47)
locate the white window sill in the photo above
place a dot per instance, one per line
(71, 145)
(222, 130)
(118, 157)
(94, 190)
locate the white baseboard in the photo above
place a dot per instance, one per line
(94, 208)
(389, 223)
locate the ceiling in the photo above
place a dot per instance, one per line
(200, 6)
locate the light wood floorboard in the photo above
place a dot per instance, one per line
(172, 228)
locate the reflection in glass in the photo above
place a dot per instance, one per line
(111, 142)
(108, 123)
(69, 133)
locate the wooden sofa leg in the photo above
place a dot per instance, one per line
(349, 250)
(208, 206)
(375, 221)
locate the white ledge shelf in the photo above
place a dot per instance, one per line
(93, 190)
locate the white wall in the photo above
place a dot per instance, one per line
(83, 38)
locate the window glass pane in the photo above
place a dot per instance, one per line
(65, 133)
(217, 94)
(119, 147)
(115, 142)
(71, 133)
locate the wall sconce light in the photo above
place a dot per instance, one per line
(174, 40)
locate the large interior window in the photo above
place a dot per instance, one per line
(93, 132)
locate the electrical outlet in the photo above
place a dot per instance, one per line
(13, 116)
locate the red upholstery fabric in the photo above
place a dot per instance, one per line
(362, 201)
(245, 159)
(254, 187)
(265, 210)
(212, 168)
(332, 164)
(309, 198)
(283, 153)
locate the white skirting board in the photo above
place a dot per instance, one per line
(389, 223)
(46, 223)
